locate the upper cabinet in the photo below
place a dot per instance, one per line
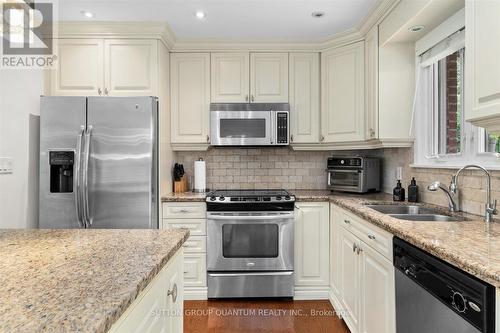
(342, 94)
(269, 77)
(371, 83)
(130, 67)
(249, 77)
(190, 97)
(482, 54)
(304, 98)
(105, 67)
(79, 70)
(230, 77)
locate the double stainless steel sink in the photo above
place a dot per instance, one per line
(413, 213)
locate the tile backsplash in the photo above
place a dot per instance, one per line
(248, 168)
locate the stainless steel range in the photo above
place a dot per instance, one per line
(250, 237)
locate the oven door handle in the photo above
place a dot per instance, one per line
(287, 273)
(269, 217)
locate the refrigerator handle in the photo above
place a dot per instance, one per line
(77, 178)
(85, 178)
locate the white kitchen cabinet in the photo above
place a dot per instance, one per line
(230, 77)
(350, 279)
(378, 309)
(105, 67)
(269, 77)
(482, 49)
(311, 244)
(192, 216)
(342, 94)
(159, 307)
(130, 67)
(335, 216)
(371, 83)
(79, 70)
(304, 98)
(190, 97)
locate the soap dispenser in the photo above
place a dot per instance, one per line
(398, 194)
(413, 191)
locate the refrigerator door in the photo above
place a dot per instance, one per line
(62, 121)
(121, 178)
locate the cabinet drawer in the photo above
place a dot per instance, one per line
(378, 239)
(184, 210)
(197, 227)
(195, 244)
(195, 270)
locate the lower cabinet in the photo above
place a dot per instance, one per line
(361, 275)
(159, 307)
(192, 216)
(312, 250)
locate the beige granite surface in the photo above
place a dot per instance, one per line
(184, 197)
(470, 244)
(77, 280)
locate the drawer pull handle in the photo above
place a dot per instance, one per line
(184, 211)
(185, 272)
(347, 221)
(371, 237)
(173, 293)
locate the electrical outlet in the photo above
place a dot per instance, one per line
(399, 173)
(6, 165)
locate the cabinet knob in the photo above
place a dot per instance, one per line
(371, 237)
(208, 138)
(359, 250)
(354, 247)
(322, 138)
(252, 98)
(291, 138)
(173, 293)
(246, 98)
(106, 92)
(347, 221)
(99, 91)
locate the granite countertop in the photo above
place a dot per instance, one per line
(184, 197)
(470, 244)
(77, 280)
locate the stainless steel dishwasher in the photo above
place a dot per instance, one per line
(435, 297)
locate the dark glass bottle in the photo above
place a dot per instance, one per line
(413, 191)
(398, 194)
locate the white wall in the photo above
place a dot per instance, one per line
(20, 92)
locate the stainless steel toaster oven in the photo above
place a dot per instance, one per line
(356, 174)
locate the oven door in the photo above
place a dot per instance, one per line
(250, 241)
(241, 128)
(346, 179)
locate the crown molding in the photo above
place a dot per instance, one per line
(163, 32)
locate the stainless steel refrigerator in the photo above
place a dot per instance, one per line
(98, 162)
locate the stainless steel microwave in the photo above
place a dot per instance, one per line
(249, 124)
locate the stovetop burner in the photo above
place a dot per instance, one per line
(247, 200)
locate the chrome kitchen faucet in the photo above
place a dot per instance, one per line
(454, 197)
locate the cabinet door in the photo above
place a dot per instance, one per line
(342, 107)
(195, 270)
(304, 97)
(349, 279)
(311, 244)
(269, 77)
(335, 269)
(371, 84)
(80, 68)
(377, 293)
(190, 97)
(175, 298)
(230, 77)
(483, 52)
(131, 67)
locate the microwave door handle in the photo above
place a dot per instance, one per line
(271, 132)
(329, 182)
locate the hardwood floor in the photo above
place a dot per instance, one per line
(247, 316)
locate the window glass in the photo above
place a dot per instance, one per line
(491, 143)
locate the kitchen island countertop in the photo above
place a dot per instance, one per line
(77, 280)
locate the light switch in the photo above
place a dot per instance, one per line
(6, 165)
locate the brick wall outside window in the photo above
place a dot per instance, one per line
(452, 135)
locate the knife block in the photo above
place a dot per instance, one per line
(181, 186)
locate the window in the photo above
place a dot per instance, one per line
(442, 137)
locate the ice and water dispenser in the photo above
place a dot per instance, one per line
(61, 171)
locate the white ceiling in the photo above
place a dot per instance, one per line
(226, 19)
